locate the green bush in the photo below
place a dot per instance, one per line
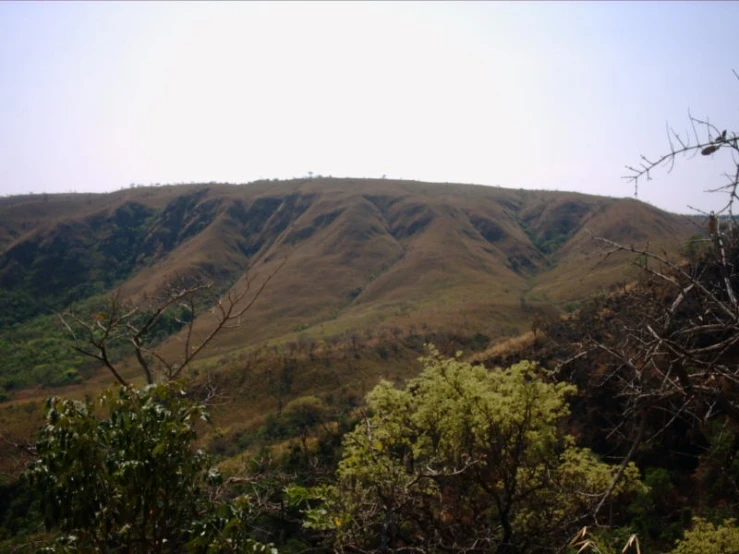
(706, 538)
(467, 457)
(131, 480)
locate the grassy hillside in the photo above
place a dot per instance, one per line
(364, 272)
(352, 254)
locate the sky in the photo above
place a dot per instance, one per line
(562, 96)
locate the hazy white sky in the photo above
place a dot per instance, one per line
(94, 96)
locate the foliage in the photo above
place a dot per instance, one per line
(19, 514)
(717, 475)
(131, 480)
(658, 513)
(706, 538)
(138, 327)
(468, 459)
(605, 541)
(16, 306)
(70, 261)
(304, 414)
(703, 538)
(37, 352)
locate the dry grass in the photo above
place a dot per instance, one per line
(506, 348)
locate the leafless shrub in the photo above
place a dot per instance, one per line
(670, 351)
(132, 327)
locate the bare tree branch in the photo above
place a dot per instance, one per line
(122, 328)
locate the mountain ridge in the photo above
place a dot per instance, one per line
(353, 252)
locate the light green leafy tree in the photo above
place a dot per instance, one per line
(466, 459)
(706, 538)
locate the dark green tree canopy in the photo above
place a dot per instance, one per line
(122, 475)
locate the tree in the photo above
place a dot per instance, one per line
(670, 344)
(122, 474)
(687, 336)
(132, 481)
(465, 459)
(706, 538)
(705, 138)
(138, 329)
(659, 358)
(304, 414)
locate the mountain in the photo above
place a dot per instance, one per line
(363, 273)
(351, 253)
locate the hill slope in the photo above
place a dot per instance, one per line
(354, 254)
